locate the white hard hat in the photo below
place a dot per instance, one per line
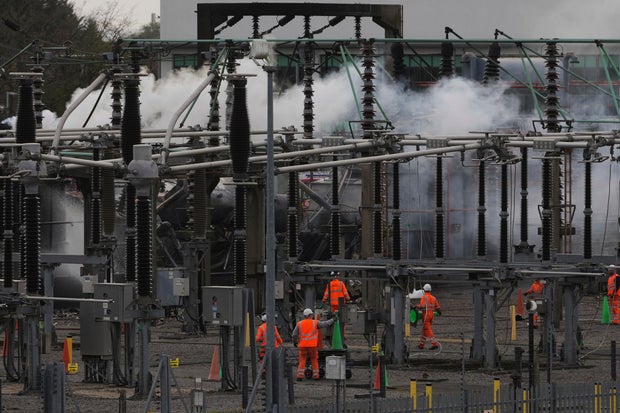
(427, 287)
(611, 266)
(307, 312)
(264, 317)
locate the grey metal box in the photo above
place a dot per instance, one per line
(335, 367)
(167, 279)
(121, 295)
(222, 305)
(95, 337)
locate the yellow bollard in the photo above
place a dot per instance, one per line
(525, 401)
(496, 395)
(513, 323)
(407, 329)
(597, 395)
(428, 392)
(413, 393)
(247, 330)
(613, 399)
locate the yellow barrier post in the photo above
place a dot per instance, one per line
(525, 401)
(613, 399)
(428, 393)
(413, 393)
(496, 395)
(597, 407)
(247, 330)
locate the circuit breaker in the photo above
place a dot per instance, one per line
(121, 296)
(222, 305)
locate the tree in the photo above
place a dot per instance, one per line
(68, 47)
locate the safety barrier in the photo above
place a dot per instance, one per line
(552, 398)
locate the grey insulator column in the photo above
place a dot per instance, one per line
(239, 154)
(587, 211)
(447, 65)
(481, 243)
(130, 136)
(335, 213)
(439, 211)
(503, 228)
(396, 240)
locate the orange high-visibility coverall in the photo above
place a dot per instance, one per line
(306, 334)
(334, 290)
(428, 305)
(536, 288)
(613, 293)
(261, 339)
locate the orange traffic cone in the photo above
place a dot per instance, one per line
(214, 372)
(377, 385)
(67, 353)
(520, 307)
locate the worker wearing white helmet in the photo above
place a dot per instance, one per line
(306, 336)
(334, 291)
(428, 305)
(261, 337)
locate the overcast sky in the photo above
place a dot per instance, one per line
(139, 11)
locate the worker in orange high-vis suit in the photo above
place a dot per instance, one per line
(335, 289)
(306, 338)
(613, 293)
(536, 290)
(428, 305)
(261, 338)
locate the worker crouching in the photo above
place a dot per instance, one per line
(306, 338)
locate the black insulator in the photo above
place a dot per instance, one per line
(368, 98)
(37, 95)
(307, 27)
(439, 213)
(587, 219)
(239, 131)
(491, 70)
(396, 218)
(551, 100)
(397, 255)
(524, 193)
(95, 190)
(292, 224)
(130, 247)
(335, 215)
(240, 239)
(482, 231)
(144, 246)
(503, 229)
(358, 27)
(198, 205)
(25, 129)
(7, 219)
(32, 243)
(255, 27)
(108, 202)
(130, 126)
(214, 113)
(546, 209)
(17, 194)
(117, 106)
(447, 53)
(308, 115)
(398, 60)
(377, 222)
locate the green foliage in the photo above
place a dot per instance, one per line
(69, 47)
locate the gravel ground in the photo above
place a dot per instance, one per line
(443, 369)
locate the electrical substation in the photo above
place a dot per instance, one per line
(219, 222)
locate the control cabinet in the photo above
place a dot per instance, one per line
(121, 295)
(222, 305)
